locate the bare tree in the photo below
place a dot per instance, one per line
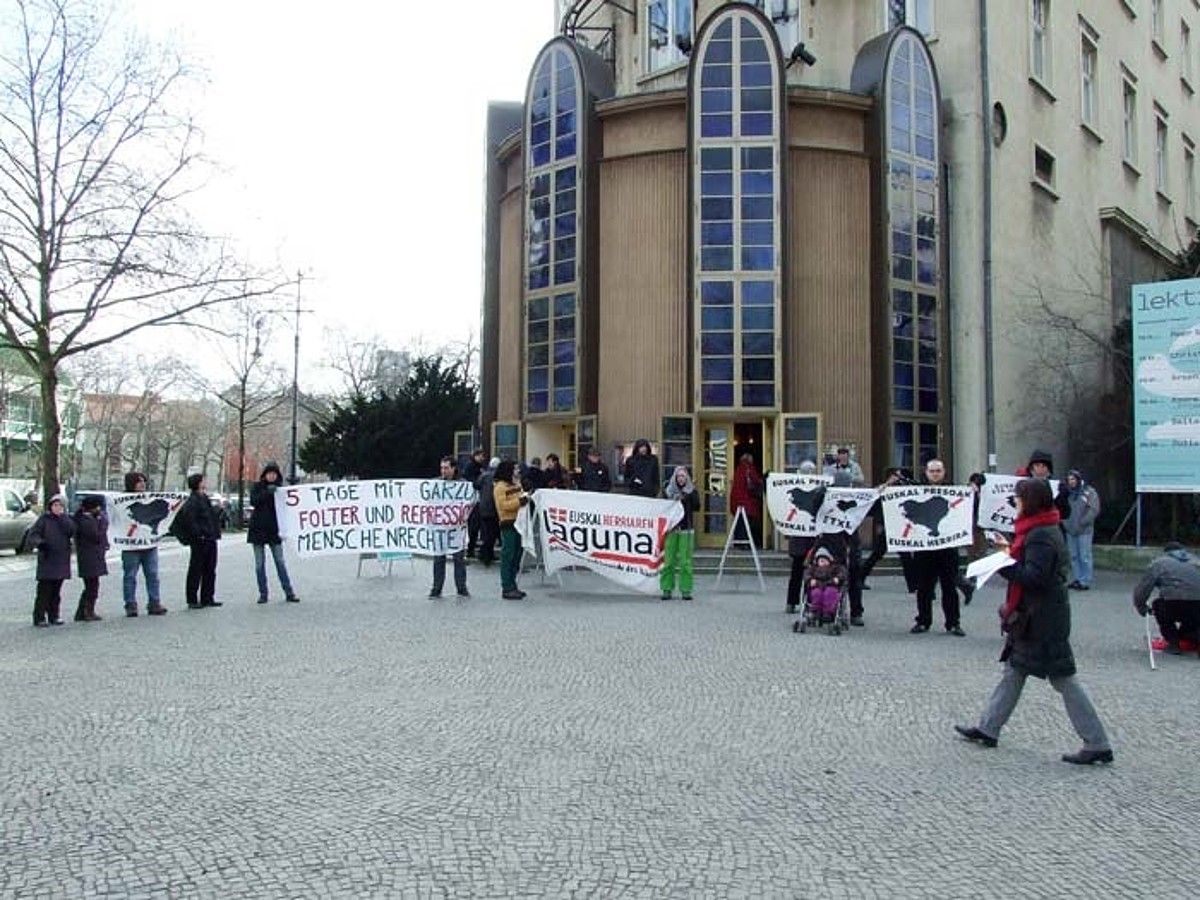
(354, 358)
(96, 164)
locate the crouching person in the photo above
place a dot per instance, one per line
(1177, 608)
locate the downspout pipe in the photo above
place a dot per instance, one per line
(989, 384)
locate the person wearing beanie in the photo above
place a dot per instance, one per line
(681, 540)
(144, 558)
(1177, 608)
(264, 532)
(489, 522)
(197, 528)
(51, 534)
(1041, 465)
(91, 543)
(1083, 505)
(593, 474)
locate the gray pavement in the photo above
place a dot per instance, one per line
(371, 742)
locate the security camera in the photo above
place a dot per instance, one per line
(802, 54)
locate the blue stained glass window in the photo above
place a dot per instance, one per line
(538, 402)
(760, 233)
(716, 233)
(758, 318)
(717, 318)
(758, 395)
(759, 369)
(716, 394)
(758, 259)
(719, 293)
(716, 368)
(564, 399)
(716, 259)
(716, 159)
(716, 343)
(716, 126)
(539, 379)
(718, 101)
(758, 292)
(758, 343)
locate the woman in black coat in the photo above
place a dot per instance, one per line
(1036, 616)
(91, 543)
(264, 533)
(51, 534)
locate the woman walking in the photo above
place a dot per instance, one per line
(1036, 616)
(91, 543)
(51, 534)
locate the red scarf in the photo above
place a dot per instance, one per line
(1025, 524)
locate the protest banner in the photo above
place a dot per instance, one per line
(997, 505)
(927, 516)
(794, 502)
(425, 517)
(617, 536)
(139, 521)
(845, 509)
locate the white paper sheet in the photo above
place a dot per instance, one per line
(983, 569)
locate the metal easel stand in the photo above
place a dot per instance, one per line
(730, 541)
(539, 565)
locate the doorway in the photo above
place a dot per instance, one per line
(722, 444)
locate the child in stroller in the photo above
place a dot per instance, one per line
(825, 585)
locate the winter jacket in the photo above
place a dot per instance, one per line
(508, 501)
(556, 478)
(689, 498)
(52, 535)
(264, 524)
(832, 574)
(1174, 574)
(594, 477)
(533, 479)
(487, 498)
(1042, 647)
(641, 471)
(91, 541)
(746, 490)
(1085, 507)
(196, 521)
(849, 475)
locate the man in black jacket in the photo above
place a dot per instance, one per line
(196, 526)
(593, 474)
(475, 467)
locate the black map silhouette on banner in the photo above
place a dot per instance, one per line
(807, 501)
(927, 513)
(845, 505)
(151, 513)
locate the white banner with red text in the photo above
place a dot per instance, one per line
(139, 521)
(614, 535)
(795, 501)
(927, 516)
(424, 517)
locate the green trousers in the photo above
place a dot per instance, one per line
(510, 556)
(677, 558)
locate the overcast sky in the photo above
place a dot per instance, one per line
(352, 135)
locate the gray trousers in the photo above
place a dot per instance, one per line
(1079, 707)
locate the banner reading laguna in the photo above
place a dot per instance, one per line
(617, 536)
(139, 521)
(794, 502)
(927, 517)
(425, 517)
(1166, 386)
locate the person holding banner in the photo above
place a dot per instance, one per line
(1036, 618)
(51, 535)
(264, 532)
(509, 500)
(91, 542)
(932, 568)
(641, 470)
(798, 549)
(197, 528)
(144, 558)
(681, 540)
(448, 470)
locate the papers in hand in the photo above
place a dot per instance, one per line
(983, 569)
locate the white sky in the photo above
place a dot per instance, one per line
(352, 139)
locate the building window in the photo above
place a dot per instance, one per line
(785, 16)
(917, 14)
(914, 444)
(1160, 151)
(552, 274)
(668, 32)
(506, 440)
(1043, 166)
(914, 228)
(1189, 179)
(1185, 52)
(1088, 73)
(1156, 21)
(801, 441)
(677, 443)
(737, 224)
(1039, 58)
(1129, 147)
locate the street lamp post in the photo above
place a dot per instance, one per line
(295, 381)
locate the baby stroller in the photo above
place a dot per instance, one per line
(838, 546)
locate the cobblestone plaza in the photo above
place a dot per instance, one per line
(371, 742)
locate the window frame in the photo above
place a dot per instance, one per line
(1129, 119)
(1089, 45)
(1050, 186)
(677, 58)
(1187, 69)
(1157, 26)
(1189, 180)
(784, 443)
(1041, 35)
(1162, 144)
(912, 14)
(498, 446)
(789, 33)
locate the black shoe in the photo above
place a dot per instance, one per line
(193, 605)
(974, 734)
(857, 621)
(292, 598)
(918, 629)
(131, 612)
(1088, 757)
(56, 622)
(262, 600)
(40, 624)
(513, 595)
(666, 596)
(1173, 648)
(968, 589)
(955, 630)
(156, 609)
(464, 593)
(791, 609)
(1083, 587)
(865, 586)
(1073, 586)
(687, 596)
(435, 595)
(212, 603)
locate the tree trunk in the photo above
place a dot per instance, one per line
(51, 428)
(241, 461)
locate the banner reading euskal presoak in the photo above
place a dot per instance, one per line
(139, 521)
(927, 516)
(614, 535)
(425, 517)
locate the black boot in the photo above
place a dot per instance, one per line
(81, 611)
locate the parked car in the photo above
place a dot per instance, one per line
(16, 517)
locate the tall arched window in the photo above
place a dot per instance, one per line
(736, 110)
(552, 180)
(914, 228)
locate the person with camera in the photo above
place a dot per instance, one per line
(1036, 619)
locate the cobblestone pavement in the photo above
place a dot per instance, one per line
(371, 742)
